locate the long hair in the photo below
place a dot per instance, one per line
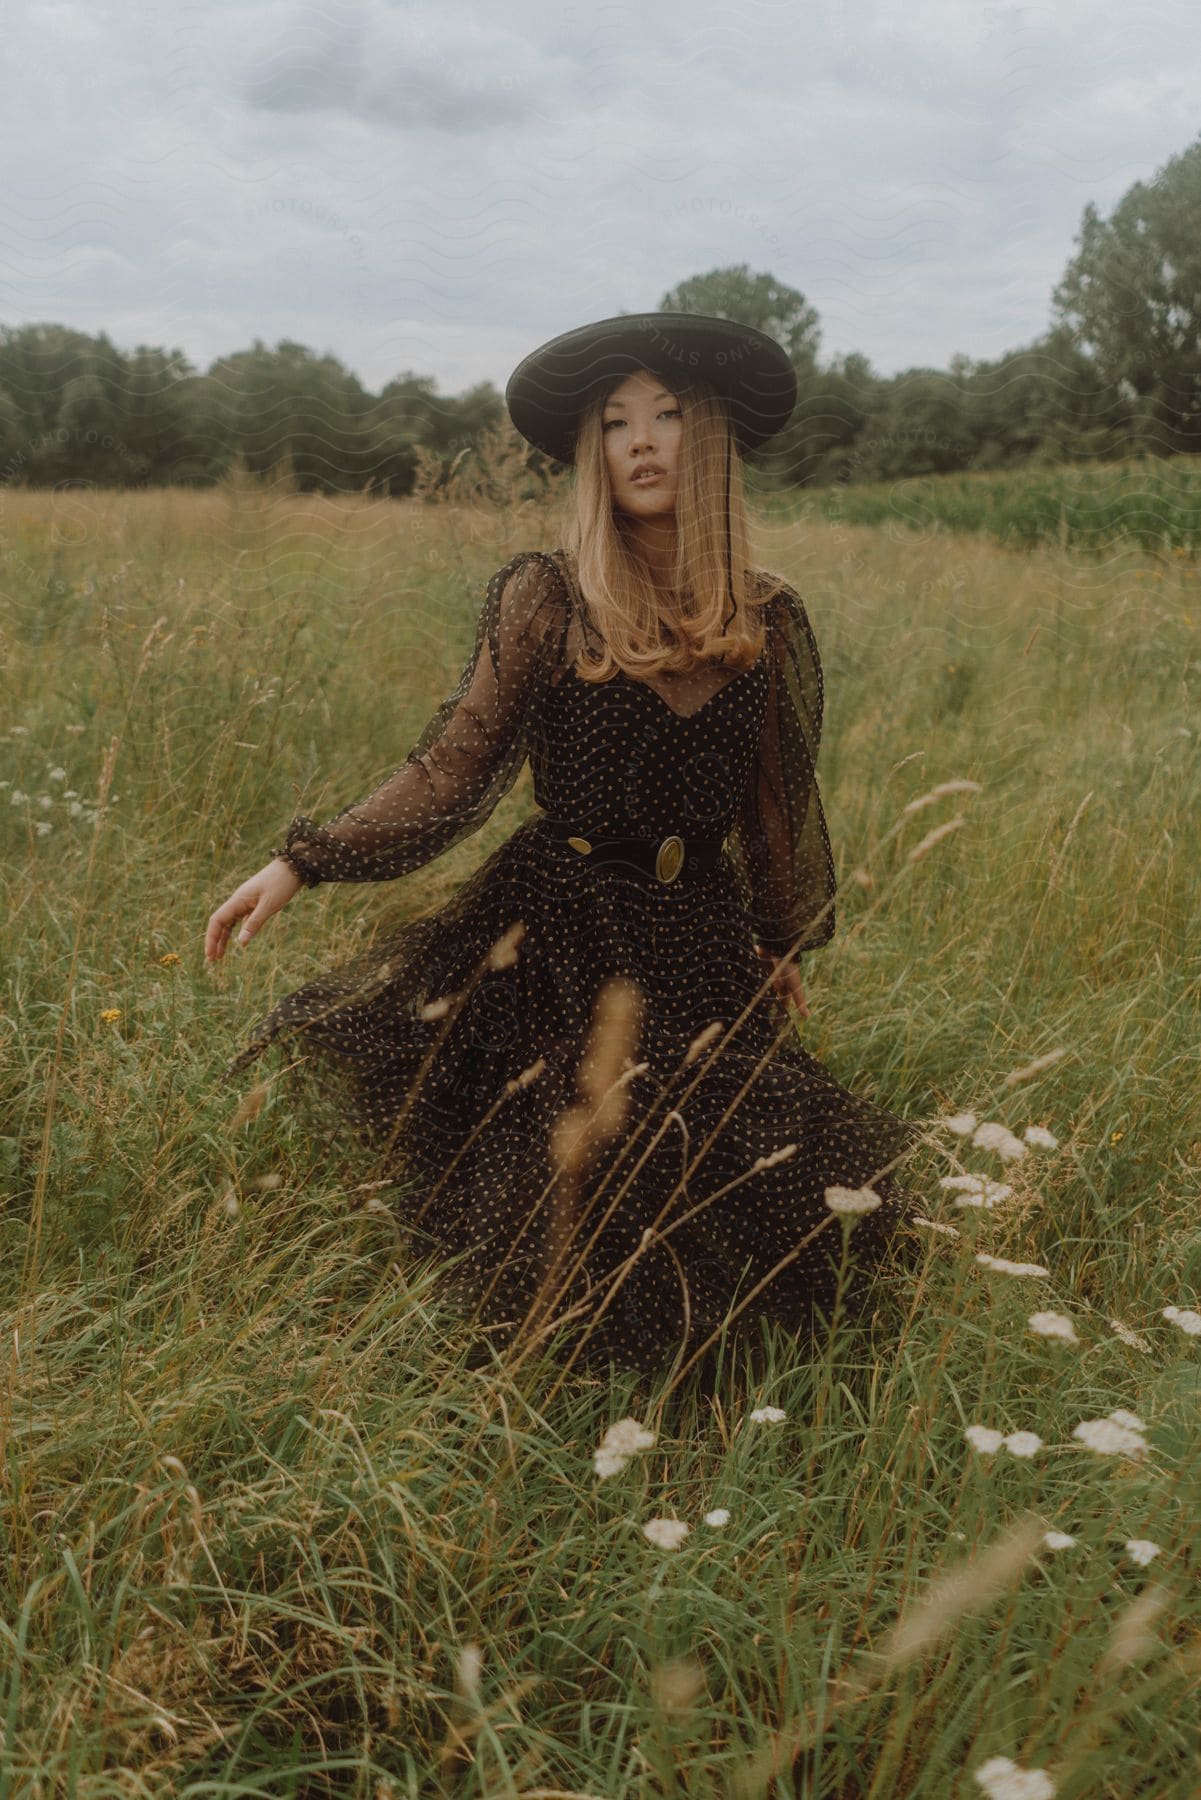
(712, 612)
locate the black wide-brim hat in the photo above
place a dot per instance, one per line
(549, 388)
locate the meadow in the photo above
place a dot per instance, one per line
(271, 1523)
(1152, 503)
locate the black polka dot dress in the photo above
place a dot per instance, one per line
(689, 1197)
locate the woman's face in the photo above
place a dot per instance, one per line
(643, 424)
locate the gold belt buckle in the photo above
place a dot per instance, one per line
(670, 859)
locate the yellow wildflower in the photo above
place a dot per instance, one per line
(169, 961)
(110, 1015)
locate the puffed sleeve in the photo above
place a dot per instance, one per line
(469, 754)
(779, 844)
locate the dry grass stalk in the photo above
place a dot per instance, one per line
(933, 837)
(1132, 1641)
(1033, 1068)
(580, 1130)
(967, 1589)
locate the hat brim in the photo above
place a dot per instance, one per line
(549, 388)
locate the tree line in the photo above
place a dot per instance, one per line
(1116, 374)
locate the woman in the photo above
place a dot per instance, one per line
(582, 1057)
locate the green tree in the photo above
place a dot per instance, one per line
(164, 424)
(10, 433)
(833, 406)
(756, 300)
(1046, 403)
(411, 415)
(919, 427)
(290, 408)
(63, 383)
(1131, 296)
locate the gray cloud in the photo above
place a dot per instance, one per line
(392, 70)
(414, 186)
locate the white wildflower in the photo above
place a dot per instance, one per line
(1142, 1550)
(668, 1534)
(1184, 1316)
(768, 1415)
(1054, 1325)
(18, 731)
(1058, 1540)
(976, 1190)
(57, 775)
(45, 800)
(43, 826)
(719, 1516)
(1040, 1137)
(995, 1191)
(984, 1438)
(1003, 1266)
(626, 1436)
(17, 798)
(996, 1137)
(1133, 1338)
(619, 1443)
(988, 1441)
(1130, 1420)
(75, 808)
(1108, 1438)
(852, 1200)
(608, 1462)
(1002, 1779)
(960, 1123)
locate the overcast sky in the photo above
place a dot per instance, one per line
(425, 185)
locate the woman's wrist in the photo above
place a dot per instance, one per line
(299, 827)
(303, 875)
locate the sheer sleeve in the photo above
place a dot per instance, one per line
(467, 757)
(779, 844)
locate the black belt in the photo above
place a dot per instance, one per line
(663, 859)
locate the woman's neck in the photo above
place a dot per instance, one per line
(654, 541)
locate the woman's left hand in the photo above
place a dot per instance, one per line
(786, 981)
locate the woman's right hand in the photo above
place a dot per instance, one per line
(786, 981)
(260, 897)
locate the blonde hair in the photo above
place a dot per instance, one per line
(645, 631)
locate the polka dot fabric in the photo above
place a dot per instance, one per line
(728, 755)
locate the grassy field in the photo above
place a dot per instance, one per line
(271, 1527)
(1152, 503)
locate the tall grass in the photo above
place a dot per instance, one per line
(276, 1523)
